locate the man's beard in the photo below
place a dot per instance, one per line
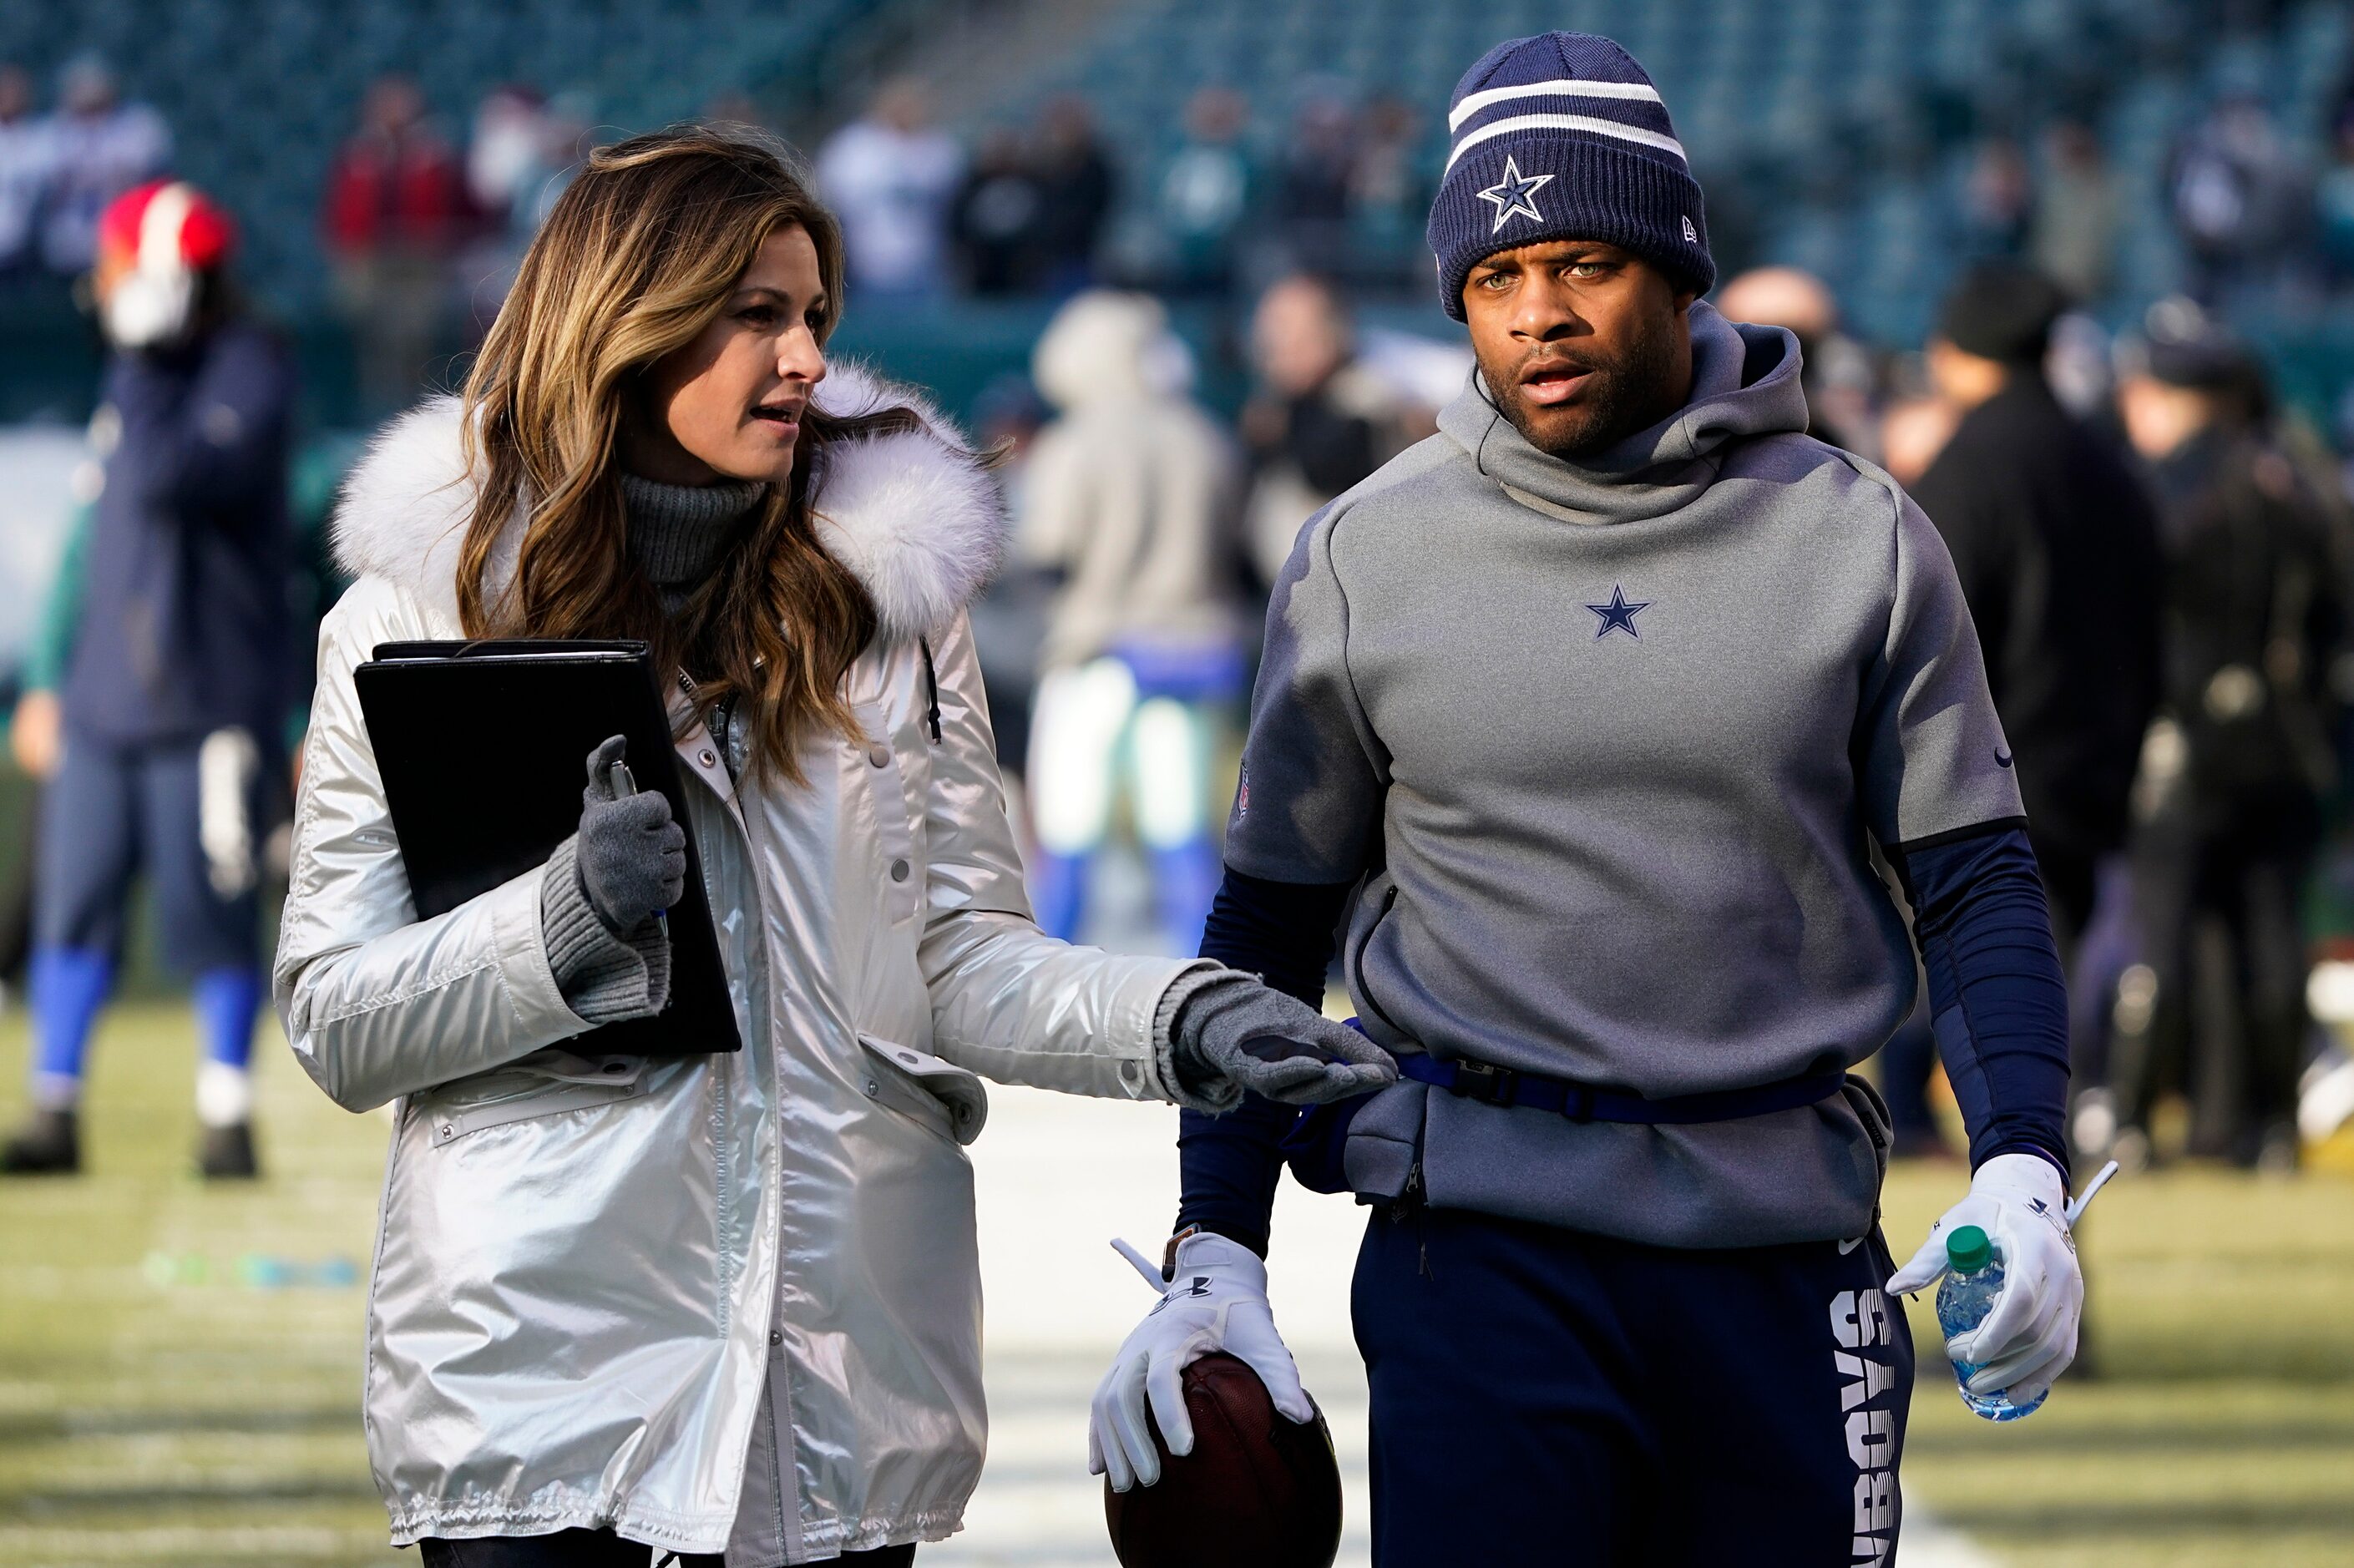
(1623, 394)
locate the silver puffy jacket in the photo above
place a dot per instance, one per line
(716, 1302)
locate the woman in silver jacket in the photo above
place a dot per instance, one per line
(706, 1303)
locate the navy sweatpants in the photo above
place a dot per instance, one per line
(1545, 1396)
(190, 819)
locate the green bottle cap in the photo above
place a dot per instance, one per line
(1967, 1250)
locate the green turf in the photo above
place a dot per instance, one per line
(196, 1420)
(151, 1416)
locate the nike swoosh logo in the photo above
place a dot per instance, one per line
(2002, 758)
(1848, 1247)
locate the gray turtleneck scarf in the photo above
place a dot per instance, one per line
(677, 533)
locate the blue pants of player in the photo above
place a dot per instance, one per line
(1545, 1396)
(1154, 713)
(187, 816)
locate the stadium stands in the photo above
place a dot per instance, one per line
(259, 93)
(1836, 134)
(1841, 127)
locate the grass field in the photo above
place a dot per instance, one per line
(161, 1404)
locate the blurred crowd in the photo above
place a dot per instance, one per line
(2159, 560)
(422, 224)
(59, 169)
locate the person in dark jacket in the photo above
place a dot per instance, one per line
(177, 688)
(2056, 545)
(2241, 762)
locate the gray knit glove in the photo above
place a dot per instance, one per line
(632, 854)
(1232, 1033)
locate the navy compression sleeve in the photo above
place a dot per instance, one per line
(1997, 1000)
(1228, 1165)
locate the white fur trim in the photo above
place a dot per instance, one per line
(402, 515)
(917, 523)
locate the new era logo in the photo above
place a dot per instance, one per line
(1692, 235)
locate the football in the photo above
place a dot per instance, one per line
(1258, 1492)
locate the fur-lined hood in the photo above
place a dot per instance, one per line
(915, 521)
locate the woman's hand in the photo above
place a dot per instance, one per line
(632, 854)
(1261, 1040)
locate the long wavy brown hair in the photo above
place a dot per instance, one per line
(639, 255)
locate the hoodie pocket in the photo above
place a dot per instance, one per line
(950, 1100)
(539, 1084)
(1878, 1124)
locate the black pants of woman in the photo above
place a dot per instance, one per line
(597, 1548)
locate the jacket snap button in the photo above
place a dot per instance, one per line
(898, 871)
(775, 1338)
(446, 1129)
(908, 1057)
(708, 758)
(873, 1089)
(879, 755)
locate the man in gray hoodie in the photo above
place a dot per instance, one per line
(1593, 704)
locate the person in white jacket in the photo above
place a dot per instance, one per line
(717, 1304)
(1130, 495)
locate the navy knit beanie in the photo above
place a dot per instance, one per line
(1561, 136)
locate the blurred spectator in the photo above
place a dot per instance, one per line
(2235, 773)
(2240, 199)
(2056, 547)
(1913, 431)
(525, 150)
(2074, 238)
(567, 136)
(1206, 192)
(397, 212)
(1008, 618)
(1075, 186)
(996, 217)
(1389, 199)
(2334, 205)
(506, 148)
(2081, 367)
(1998, 200)
(99, 147)
(175, 689)
(1129, 495)
(26, 159)
(891, 177)
(506, 154)
(1311, 186)
(1318, 422)
(1835, 371)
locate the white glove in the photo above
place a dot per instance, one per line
(1217, 1301)
(2029, 1337)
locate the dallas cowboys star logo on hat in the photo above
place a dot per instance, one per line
(1515, 195)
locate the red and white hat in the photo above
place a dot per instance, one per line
(166, 224)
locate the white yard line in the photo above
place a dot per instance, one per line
(1057, 1177)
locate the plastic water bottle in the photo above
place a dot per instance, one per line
(1973, 1279)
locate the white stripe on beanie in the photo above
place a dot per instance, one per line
(1563, 88)
(1565, 122)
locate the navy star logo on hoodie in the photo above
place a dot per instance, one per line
(1618, 615)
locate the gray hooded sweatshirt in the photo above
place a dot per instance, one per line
(1609, 740)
